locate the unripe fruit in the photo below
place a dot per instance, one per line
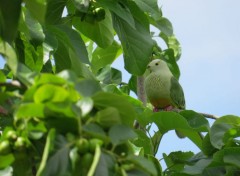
(11, 135)
(82, 145)
(5, 147)
(93, 144)
(20, 143)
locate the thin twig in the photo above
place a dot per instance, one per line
(210, 116)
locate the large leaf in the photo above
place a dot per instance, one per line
(58, 161)
(151, 7)
(126, 132)
(54, 11)
(100, 32)
(220, 127)
(126, 110)
(137, 45)
(143, 163)
(108, 75)
(9, 17)
(37, 8)
(71, 39)
(166, 121)
(195, 120)
(102, 57)
(106, 165)
(164, 25)
(119, 9)
(31, 27)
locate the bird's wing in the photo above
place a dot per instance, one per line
(176, 94)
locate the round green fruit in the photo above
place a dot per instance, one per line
(93, 144)
(11, 135)
(82, 145)
(5, 147)
(20, 143)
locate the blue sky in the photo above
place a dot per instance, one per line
(209, 33)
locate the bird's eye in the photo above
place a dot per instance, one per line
(156, 64)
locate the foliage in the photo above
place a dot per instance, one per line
(65, 111)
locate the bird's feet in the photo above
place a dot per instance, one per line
(167, 108)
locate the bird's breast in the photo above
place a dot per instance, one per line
(157, 88)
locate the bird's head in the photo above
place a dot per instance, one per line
(156, 65)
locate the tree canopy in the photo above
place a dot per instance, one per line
(65, 111)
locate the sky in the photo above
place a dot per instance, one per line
(209, 33)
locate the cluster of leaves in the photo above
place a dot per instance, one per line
(65, 111)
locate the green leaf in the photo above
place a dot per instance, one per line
(100, 32)
(104, 56)
(32, 56)
(207, 147)
(108, 75)
(173, 44)
(121, 134)
(151, 7)
(51, 93)
(95, 130)
(31, 27)
(138, 14)
(220, 127)
(37, 8)
(170, 120)
(232, 156)
(132, 83)
(9, 54)
(137, 45)
(54, 11)
(108, 117)
(22, 164)
(71, 39)
(143, 163)
(88, 87)
(198, 167)
(6, 160)
(9, 18)
(143, 141)
(156, 164)
(119, 9)
(28, 110)
(164, 25)
(195, 120)
(168, 56)
(126, 110)
(106, 165)
(58, 161)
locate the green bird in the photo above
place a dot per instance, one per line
(163, 89)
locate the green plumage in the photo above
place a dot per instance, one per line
(162, 88)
